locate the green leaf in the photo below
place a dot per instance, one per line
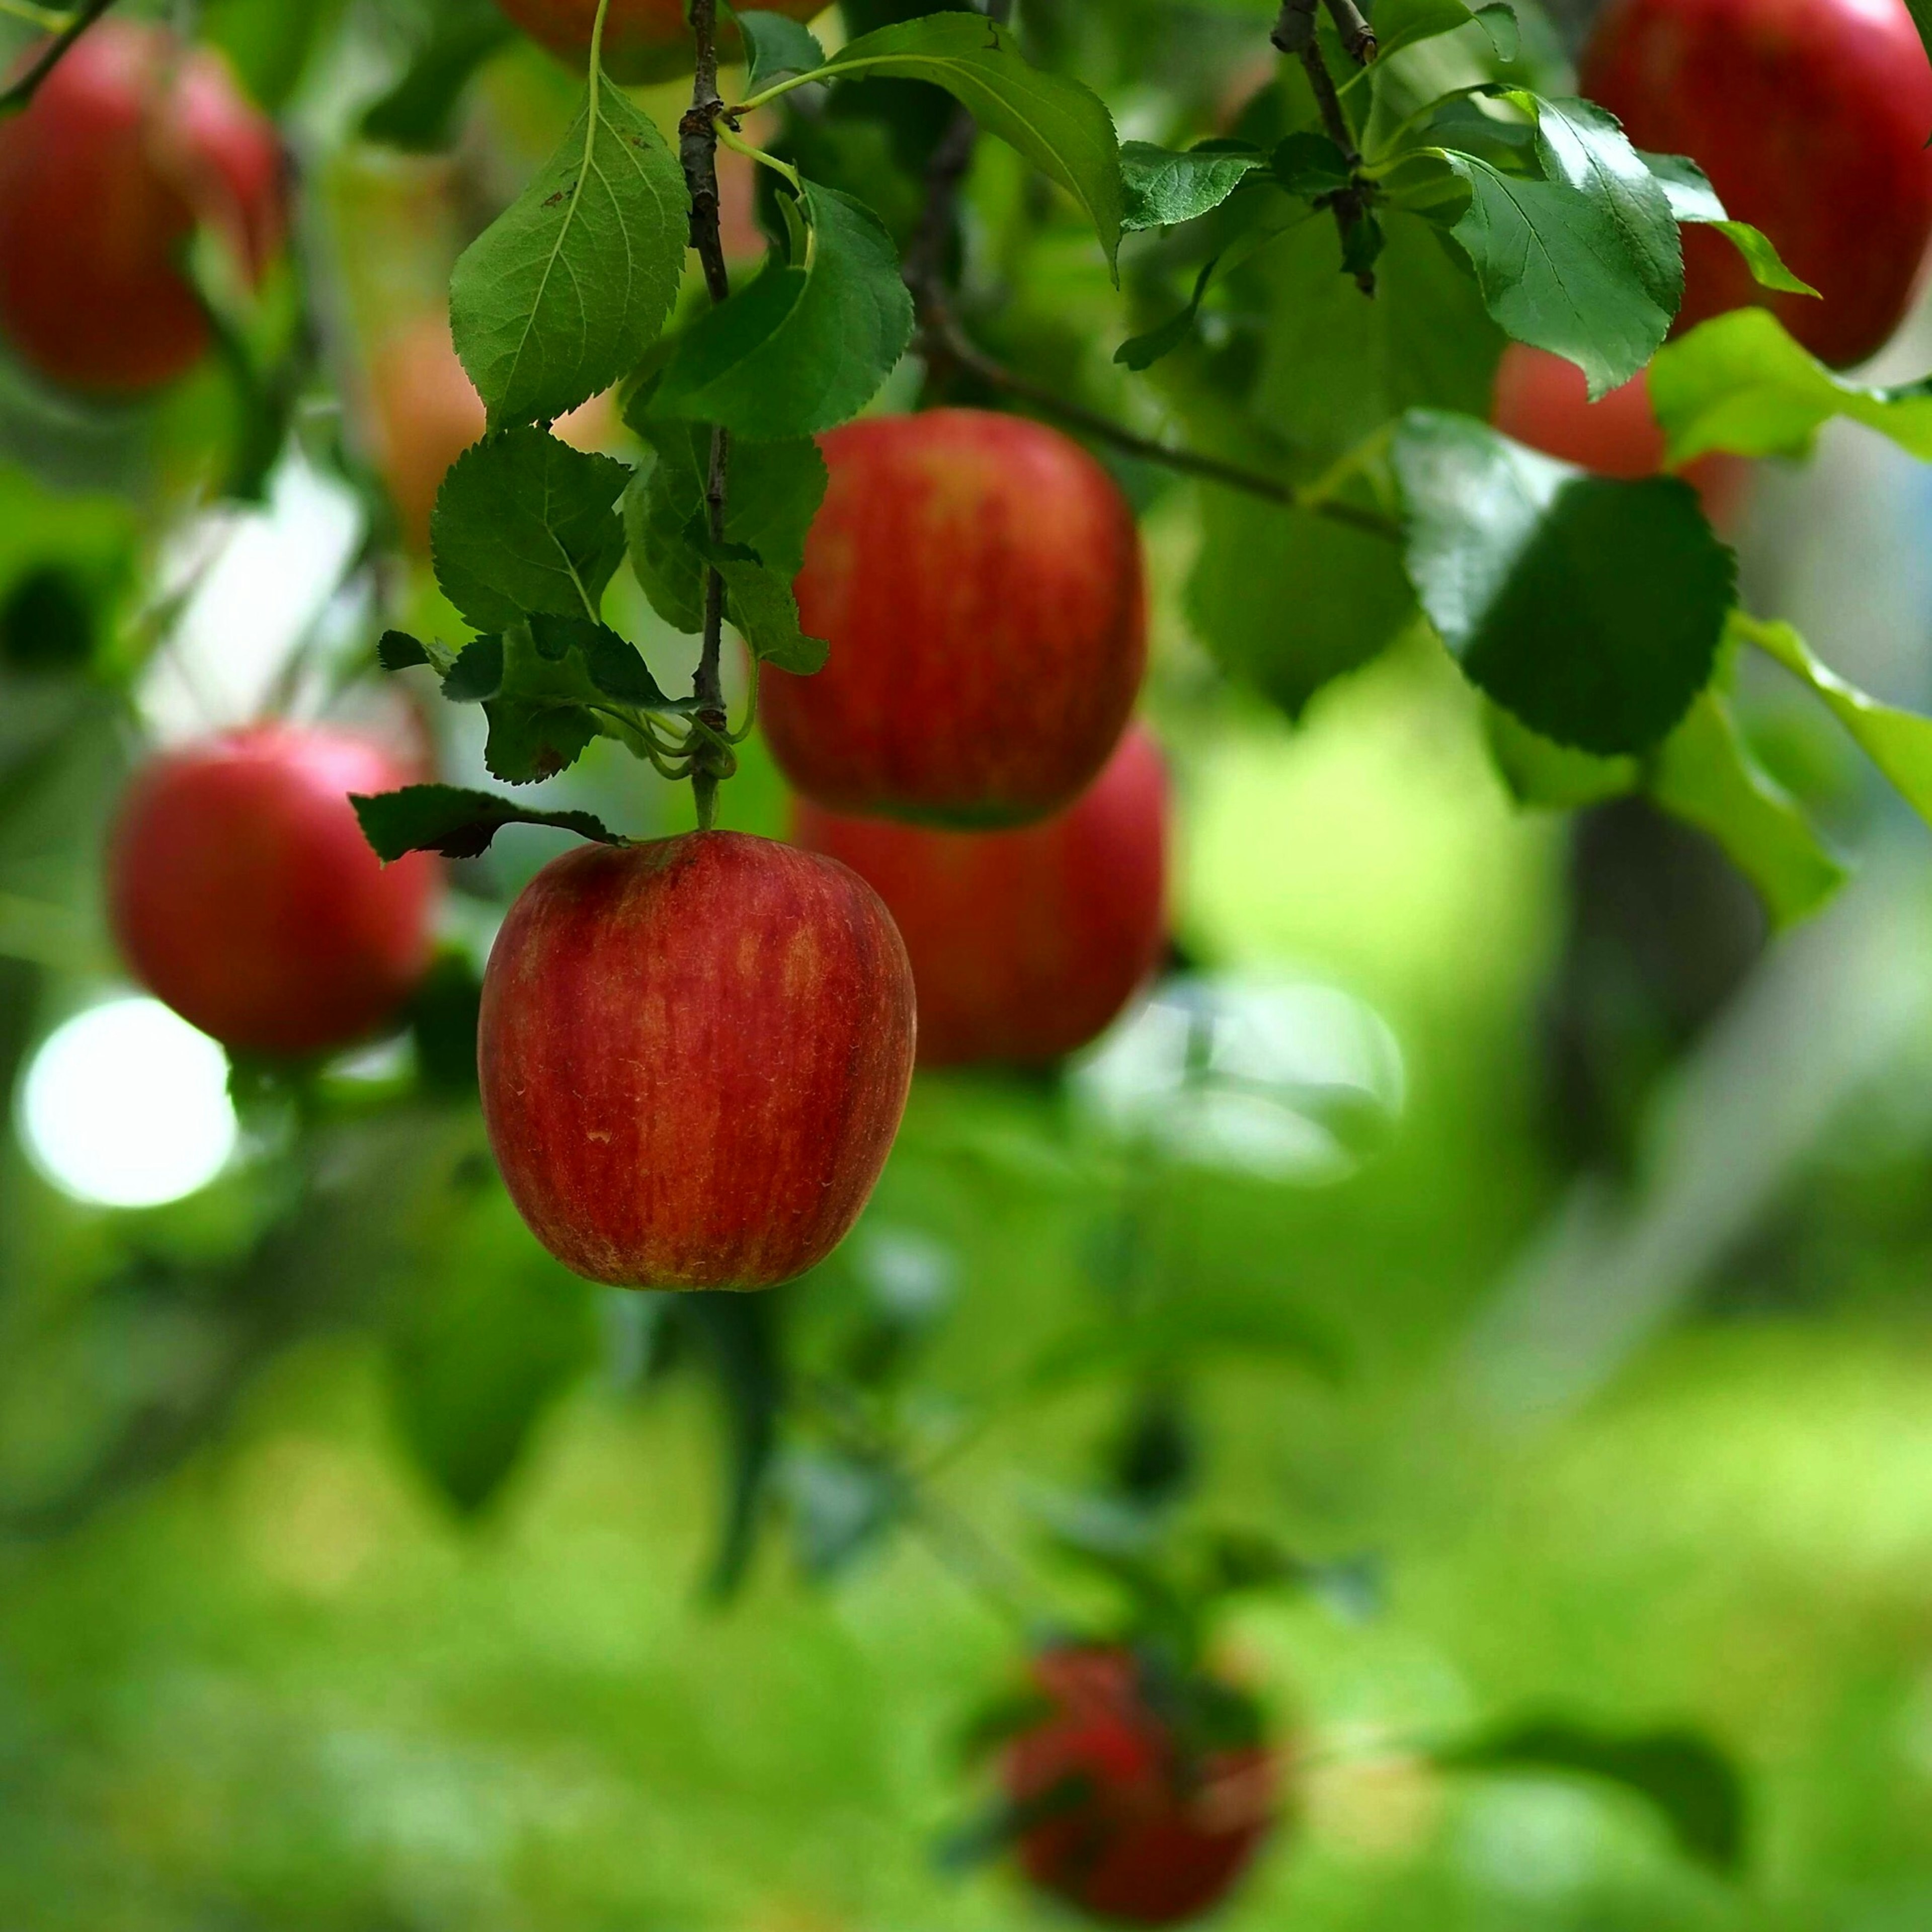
(397, 650)
(803, 349)
(760, 603)
(1921, 18)
(1740, 383)
(777, 44)
(1592, 610)
(477, 672)
(460, 824)
(565, 290)
(1286, 602)
(1064, 128)
(490, 1334)
(1694, 1785)
(541, 717)
(1585, 262)
(614, 666)
(1558, 777)
(1164, 188)
(1703, 773)
(1309, 164)
(1692, 199)
(525, 523)
(741, 1337)
(1140, 352)
(1899, 742)
(775, 490)
(419, 112)
(1403, 23)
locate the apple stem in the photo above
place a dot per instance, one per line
(23, 91)
(697, 149)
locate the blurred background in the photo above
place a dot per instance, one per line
(1485, 1210)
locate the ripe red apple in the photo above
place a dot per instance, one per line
(132, 142)
(1025, 945)
(1544, 400)
(243, 893)
(643, 39)
(979, 579)
(1810, 118)
(1152, 1792)
(695, 1055)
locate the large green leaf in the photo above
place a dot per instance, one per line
(1740, 383)
(1064, 128)
(1693, 1786)
(565, 290)
(525, 523)
(1899, 742)
(1592, 610)
(776, 44)
(1583, 260)
(1285, 602)
(806, 346)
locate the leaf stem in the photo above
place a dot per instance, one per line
(697, 148)
(729, 137)
(23, 90)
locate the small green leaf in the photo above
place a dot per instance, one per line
(1064, 128)
(397, 650)
(1694, 1785)
(1693, 199)
(1592, 610)
(1899, 742)
(760, 603)
(1585, 262)
(1740, 383)
(614, 666)
(460, 824)
(524, 523)
(803, 349)
(565, 290)
(544, 714)
(1164, 188)
(1703, 773)
(777, 45)
(477, 672)
(1140, 352)
(1403, 23)
(1310, 164)
(775, 490)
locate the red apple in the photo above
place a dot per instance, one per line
(243, 893)
(978, 577)
(1025, 945)
(1544, 401)
(1810, 118)
(695, 1055)
(643, 39)
(1152, 1793)
(131, 143)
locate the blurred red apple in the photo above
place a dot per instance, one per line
(243, 894)
(1544, 401)
(1810, 117)
(132, 142)
(695, 1055)
(978, 577)
(643, 39)
(1025, 945)
(1152, 1792)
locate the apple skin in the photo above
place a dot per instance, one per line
(978, 577)
(695, 1055)
(1544, 400)
(1810, 118)
(129, 145)
(1163, 1831)
(643, 39)
(1026, 944)
(243, 894)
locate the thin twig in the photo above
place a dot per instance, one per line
(23, 91)
(697, 148)
(952, 344)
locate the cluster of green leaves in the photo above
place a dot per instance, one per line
(567, 294)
